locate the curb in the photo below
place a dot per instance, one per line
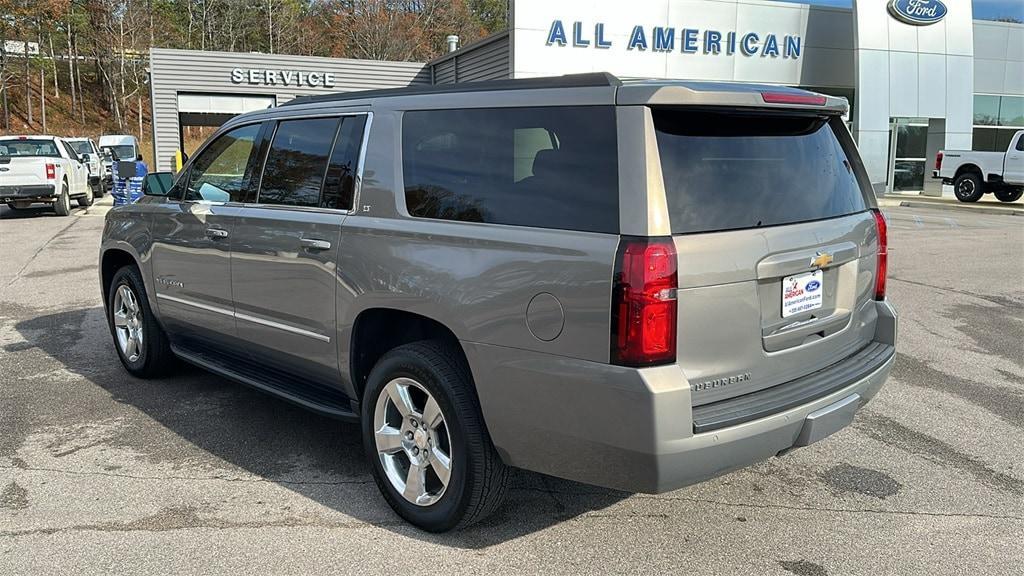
(968, 208)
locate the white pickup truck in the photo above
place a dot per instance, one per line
(974, 174)
(42, 169)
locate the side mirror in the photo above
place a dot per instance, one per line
(157, 184)
(85, 158)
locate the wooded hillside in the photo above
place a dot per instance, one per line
(80, 66)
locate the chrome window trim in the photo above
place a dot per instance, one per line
(246, 317)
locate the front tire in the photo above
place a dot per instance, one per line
(63, 204)
(140, 342)
(1009, 194)
(968, 187)
(431, 455)
(88, 199)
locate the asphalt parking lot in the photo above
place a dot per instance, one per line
(102, 473)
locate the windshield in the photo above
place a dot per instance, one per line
(81, 146)
(731, 170)
(121, 152)
(29, 148)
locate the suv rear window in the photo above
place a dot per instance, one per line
(733, 170)
(552, 167)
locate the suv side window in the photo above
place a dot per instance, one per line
(551, 167)
(340, 183)
(297, 162)
(218, 174)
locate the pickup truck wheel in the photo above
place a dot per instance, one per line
(87, 200)
(140, 342)
(423, 432)
(1009, 194)
(63, 204)
(968, 187)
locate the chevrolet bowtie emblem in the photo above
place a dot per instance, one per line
(821, 259)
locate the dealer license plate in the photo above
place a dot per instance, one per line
(802, 292)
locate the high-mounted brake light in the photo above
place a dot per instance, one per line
(882, 268)
(51, 172)
(789, 98)
(938, 161)
(644, 302)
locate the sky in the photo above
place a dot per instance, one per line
(983, 9)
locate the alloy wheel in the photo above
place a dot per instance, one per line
(413, 441)
(128, 323)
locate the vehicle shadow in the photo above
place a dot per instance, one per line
(241, 430)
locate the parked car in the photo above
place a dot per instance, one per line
(42, 169)
(638, 285)
(93, 160)
(117, 147)
(974, 174)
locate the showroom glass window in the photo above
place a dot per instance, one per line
(996, 119)
(551, 167)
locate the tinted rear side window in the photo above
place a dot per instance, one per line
(297, 161)
(726, 171)
(340, 182)
(542, 167)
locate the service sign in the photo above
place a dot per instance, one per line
(293, 78)
(917, 12)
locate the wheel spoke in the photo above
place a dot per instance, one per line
(441, 464)
(120, 319)
(389, 440)
(399, 394)
(432, 414)
(416, 483)
(131, 349)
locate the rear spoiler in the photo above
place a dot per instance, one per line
(722, 94)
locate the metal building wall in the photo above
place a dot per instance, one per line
(488, 59)
(197, 72)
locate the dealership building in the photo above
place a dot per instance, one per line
(920, 75)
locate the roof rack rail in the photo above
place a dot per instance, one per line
(588, 80)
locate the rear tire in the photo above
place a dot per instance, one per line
(88, 199)
(423, 372)
(63, 204)
(968, 187)
(138, 338)
(1009, 194)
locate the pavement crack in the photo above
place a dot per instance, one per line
(749, 505)
(998, 300)
(42, 247)
(193, 478)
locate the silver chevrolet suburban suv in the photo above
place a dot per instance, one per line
(638, 285)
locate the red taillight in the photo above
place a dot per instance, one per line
(938, 161)
(790, 98)
(644, 302)
(881, 270)
(51, 172)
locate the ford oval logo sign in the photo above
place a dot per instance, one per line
(917, 12)
(813, 285)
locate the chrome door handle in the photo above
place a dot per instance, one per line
(216, 233)
(314, 244)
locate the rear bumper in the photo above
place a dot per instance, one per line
(35, 192)
(634, 430)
